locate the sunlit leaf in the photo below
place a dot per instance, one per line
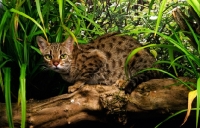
(191, 96)
(154, 53)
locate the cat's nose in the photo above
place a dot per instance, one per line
(55, 63)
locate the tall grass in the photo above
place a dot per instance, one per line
(22, 20)
(193, 59)
(7, 79)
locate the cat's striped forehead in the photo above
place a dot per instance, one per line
(55, 48)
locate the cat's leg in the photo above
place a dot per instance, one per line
(90, 65)
(76, 86)
(121, 84)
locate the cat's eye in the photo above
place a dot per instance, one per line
(48, 56)
(63, 56)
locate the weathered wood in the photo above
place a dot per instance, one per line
(95, 102)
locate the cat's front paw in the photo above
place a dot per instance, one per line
(75, 87)
(72, 89)
(121, 84)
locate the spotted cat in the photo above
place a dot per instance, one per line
(101, 61)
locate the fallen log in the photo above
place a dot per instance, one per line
(96, 103)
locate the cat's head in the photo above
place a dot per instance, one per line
(58, 56)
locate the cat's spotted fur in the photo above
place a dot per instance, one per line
(99, 62)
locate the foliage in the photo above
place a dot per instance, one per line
(7, 97)
(150, 22)
(21, 21)
(195, 5)
(192, 58)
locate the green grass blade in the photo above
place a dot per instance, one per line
(171, 57)
(196, 5)
(78, 26)
(162, 8)
(59, 34)
(175, 114)
(150, 6)
(60, 4)
(1, 81)
(70, 32)
(132, 54)
(40, 15)
(25, 53)
(7, 79)
(33, 20)
(39, 11)
(194, 35)
(169, 74)
(23, 94)
(3, 63)
(36, 49)
(175, 64)
(4, 19)
(193, 67)
(3, 55)
(140, 48)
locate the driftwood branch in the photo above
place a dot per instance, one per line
(95, 103)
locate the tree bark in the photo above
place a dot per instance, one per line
(96, 102)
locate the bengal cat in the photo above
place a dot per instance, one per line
(101, 61)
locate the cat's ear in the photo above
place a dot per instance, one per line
(42, 43)
(69, 44)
